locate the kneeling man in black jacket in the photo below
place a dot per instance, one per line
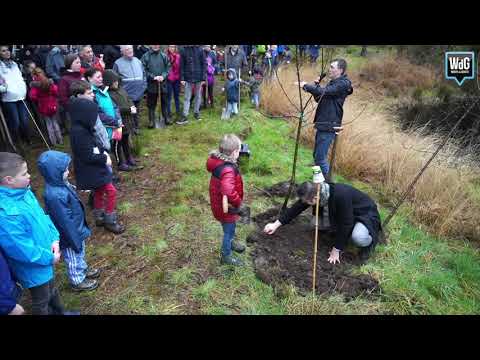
(352, 213)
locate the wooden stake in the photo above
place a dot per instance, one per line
(316, 240)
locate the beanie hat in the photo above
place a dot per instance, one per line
(109, 77)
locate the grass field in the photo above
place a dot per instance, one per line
(168, 260)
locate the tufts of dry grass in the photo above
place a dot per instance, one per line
(396, 75)
(373, 149)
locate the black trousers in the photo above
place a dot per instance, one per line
(152, 100)
(210, 95)
(121, 149)
(46, 300)
(135, 117)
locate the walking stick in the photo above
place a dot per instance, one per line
(317, 203)
(160, 124)
(239, 91)
(6, 132)
(39, 131)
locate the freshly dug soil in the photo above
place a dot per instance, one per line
(281, 189)
(286, 257)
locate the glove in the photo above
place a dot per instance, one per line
(244, 211)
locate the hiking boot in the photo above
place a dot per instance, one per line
(230, 260)
(92, 273)
(183, 120)
(382, 239)
(86, 285)
(131, 161)
(90, 200)
(151, 118)
(237, 247)
(168, 120)
(111, 224)
(197, 116)
(99, 216)
(124, 167)
(366, 252)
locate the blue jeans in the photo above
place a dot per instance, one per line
(256, 99)
(232, 108)
(76, 265)
(188, 97)
(17, 120)
(323, 141)
(173, 88)
(228, 236)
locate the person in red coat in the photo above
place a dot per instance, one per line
(89, 60)
(227, 181)
(45, 96)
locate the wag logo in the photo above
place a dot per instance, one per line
(460, 65)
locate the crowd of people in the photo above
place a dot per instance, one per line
(95, 94)
(35, 79)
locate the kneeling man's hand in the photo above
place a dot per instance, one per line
(334, 256)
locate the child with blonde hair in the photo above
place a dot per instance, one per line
(227, 181)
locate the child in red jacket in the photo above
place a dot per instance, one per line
(45, 96)
(226, 181)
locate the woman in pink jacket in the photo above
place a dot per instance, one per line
(173, 80)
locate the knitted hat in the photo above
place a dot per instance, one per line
(109, 77)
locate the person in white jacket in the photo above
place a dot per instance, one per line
(13, 91)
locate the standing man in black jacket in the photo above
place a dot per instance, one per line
(353, 214)
(111, 53)
(329, 113)
(193, 73)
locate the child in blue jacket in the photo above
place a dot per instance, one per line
(9, 291)
(232, 89)
(28, 238)
(68, 215)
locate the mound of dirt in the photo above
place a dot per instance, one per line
(287, 258)
(281, 189)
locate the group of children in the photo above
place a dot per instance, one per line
(32, 240)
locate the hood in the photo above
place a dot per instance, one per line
(89, 110)
(7, 194)
(72, 75)
(216, 158)
(233, 72)
(52, 164)
(347, 80)
(55, 50)
(109, 77)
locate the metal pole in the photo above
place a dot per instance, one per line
(39, 131)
